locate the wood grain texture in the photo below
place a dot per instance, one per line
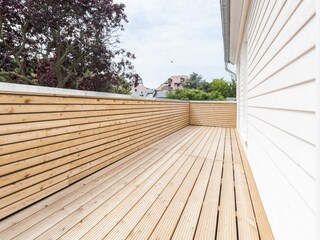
(48, 142)
(214, 114)
(193, 184)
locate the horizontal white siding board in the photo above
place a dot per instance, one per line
(268, 27)
(252, 15)
(255, 10)
(295, 176)
(287, 212)
(290, 98)
(296, 128)
(301, 156)
(300, 70)
(281, 117)
(285, 55)
(257, 18)
(286, 13)
(262, 25)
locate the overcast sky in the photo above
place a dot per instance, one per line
(187, 32)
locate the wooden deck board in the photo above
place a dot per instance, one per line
(193, 184)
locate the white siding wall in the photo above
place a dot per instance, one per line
(242, 92)
(281, 121)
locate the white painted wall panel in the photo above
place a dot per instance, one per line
(295, 96)
(280, 68)
(300, 70)
(280, 200)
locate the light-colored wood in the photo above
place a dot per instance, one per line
(168, 189)
(91, 223)
(101, 162)
(216, 114)
(121, 230)
(167, 224)
(38, 98)
(262, 222)
(68, 222)
(157, 203)
(89, 181)
(227, 228)
(48, 142)
(247, 227)
(111, 189)
(103, 120)
(186, 227)
(207, 224)
(38, 212)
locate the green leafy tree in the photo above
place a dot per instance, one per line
(122, 87)
(120, 90)
(220, 85)
(196, 81)
(215, 95)
(232, 88)
(194, 94)
(205, 86)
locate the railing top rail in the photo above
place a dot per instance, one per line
(212, 101)
(40, 90)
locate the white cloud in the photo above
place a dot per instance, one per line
(187, 32)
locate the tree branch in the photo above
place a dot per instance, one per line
(1, 35)
(18, 76)
(24, 30)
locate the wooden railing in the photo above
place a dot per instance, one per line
(216, 114)
(49, 141)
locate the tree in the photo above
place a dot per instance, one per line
(220, 85)
(205, 86)
(232, 88)
(194, 94)
(196, 81)
(122, 88)
(58, 43)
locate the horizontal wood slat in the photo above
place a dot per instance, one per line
(215, 114)
(48, 142)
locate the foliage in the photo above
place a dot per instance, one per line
(196, 81)
(232, 88)
(69, 44)
(120, 90)
(205, 86)
(227, 89)
(220, 85)
(123, 88)
(196, 88)
(194, 94)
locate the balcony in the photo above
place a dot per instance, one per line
(90, 167)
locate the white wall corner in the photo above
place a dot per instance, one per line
(318, 120)
(244, 15)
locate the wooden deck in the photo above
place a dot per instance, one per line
(193, 184)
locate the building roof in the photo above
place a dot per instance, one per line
(174, 79)
(140, 87)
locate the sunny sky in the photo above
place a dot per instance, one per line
(187, 32)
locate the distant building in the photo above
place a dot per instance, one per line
(173, 83)
(141, 91)
(160, 93)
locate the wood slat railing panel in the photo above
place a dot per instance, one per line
(215, 114)
(48, 142)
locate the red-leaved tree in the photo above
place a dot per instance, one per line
(64, 43)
